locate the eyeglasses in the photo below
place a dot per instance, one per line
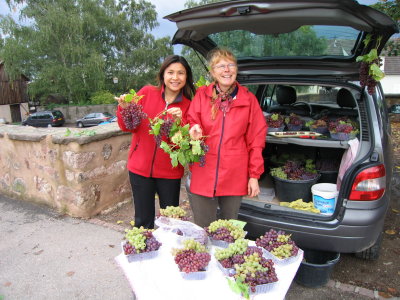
(223, 67)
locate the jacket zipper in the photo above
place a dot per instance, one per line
(219, 154)
(155, 149)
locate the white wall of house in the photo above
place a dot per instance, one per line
(391, 84)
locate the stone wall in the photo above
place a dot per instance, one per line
(69, 169)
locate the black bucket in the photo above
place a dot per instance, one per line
(291, 190)
(328, 176)
(316, 268)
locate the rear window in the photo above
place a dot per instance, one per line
(320, 40)
(57, 114)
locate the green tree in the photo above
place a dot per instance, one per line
(392, 9)
(76, 47)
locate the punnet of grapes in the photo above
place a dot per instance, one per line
(370, 63)
(140, 240)
(275, 120)
(173, 137)
(278, 243)
(193, 257)
(133, 115)
(225, 230)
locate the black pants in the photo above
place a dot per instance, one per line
(144, 190)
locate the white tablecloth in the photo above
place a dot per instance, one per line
(159, 278)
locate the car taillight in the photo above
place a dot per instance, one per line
(369, 184)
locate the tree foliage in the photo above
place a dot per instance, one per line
(76, 47)
(392, 9)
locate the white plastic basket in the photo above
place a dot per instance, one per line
(264, 288)
(226, 271)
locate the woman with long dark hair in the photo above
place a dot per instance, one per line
(150, 169)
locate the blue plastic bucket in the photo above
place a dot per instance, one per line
(324, 197)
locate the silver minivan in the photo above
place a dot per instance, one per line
(300, 57)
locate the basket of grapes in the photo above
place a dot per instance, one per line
(279, 247)
(192, 260)
(233, 254)
(224, 232)
(255, 274)
(140, 244)
(170, 217)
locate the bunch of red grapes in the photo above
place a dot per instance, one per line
(133, 115)
(191, 261)
(366, 80)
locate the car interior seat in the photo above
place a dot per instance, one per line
(286, 97)
(347, 104)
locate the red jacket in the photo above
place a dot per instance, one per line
(235, 143)
(145, 158)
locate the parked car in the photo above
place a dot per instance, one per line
(48, 118)
(93, 119)
(394, 109)
(113, 119)
(300, 57)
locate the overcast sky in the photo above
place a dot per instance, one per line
(163, 8)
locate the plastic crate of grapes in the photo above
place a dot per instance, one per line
(226, 271)
(219, 243)
(138, 256)
(194, 275)
(281, 261)
(264, 288)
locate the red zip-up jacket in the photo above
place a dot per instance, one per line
(145, 158)
(235, 142)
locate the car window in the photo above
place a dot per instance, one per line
(57, 114)
(107, 114)
(90, 116)
(34, 116)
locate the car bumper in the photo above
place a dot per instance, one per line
(355, 232)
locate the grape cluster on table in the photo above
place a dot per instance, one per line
(224, 230)
(278, 243)
(193, 257)
(140, 240)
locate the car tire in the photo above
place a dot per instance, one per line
(79, 124)
(372, 253)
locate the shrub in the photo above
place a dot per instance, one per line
(102, 97)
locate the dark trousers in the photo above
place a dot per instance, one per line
(144, 190)
(205, 208)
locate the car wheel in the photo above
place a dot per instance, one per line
(79, 124)
(372, 253)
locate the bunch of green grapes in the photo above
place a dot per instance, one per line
(190, 244)
(174, 212)
(283, 251)
(238, 247)
(140, 240)
(225, 230)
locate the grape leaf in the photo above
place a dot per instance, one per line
(165, 147)
(177, 138)
(238, 223)
(174, 158)
(196, 148)
(376, 72)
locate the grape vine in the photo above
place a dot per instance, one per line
(174, 138)
(370, 72)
